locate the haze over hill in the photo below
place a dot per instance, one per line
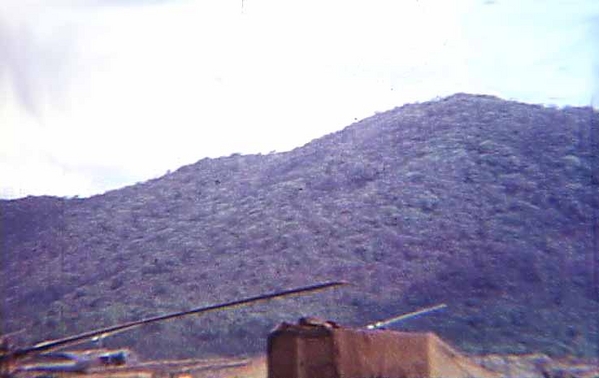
(487, 205)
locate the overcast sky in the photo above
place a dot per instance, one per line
(99, 94)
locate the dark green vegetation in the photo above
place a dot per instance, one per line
(487, 205)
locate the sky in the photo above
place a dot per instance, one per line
(99, 94)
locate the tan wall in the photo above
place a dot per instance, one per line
(315, 352)
(306, 354)
(282, 355)
(380, 354)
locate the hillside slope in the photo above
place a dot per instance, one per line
(487, 205)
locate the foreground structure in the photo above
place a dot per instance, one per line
(322, 349)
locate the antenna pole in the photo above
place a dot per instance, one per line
(103, 332)
(403, 317)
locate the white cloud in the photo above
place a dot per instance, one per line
(117, 94)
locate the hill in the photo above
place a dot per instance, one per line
(490, 206)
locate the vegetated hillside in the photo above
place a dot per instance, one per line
(487, 205)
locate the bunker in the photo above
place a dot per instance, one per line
(326, 350)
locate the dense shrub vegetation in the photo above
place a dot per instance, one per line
(488, 205)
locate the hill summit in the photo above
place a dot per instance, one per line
(487, 205)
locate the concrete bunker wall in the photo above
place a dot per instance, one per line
(327, 352)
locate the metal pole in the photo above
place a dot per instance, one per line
(103, 332)
(409, 315)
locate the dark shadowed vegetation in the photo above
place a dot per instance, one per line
(487, 205)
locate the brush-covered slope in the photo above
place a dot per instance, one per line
(487, 205)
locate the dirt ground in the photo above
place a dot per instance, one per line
(505, 366)
(516, 366)
(254, 368)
